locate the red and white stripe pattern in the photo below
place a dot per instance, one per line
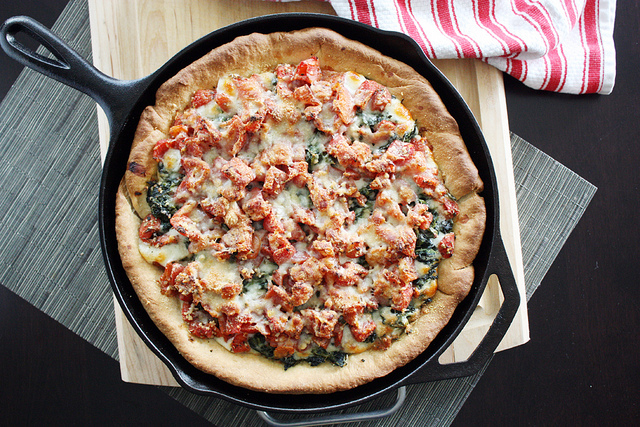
(556, 45)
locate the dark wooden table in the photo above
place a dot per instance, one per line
(581, 366)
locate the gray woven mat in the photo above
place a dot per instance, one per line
(50, 172)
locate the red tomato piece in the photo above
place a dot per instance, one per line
(204, 330)
(240, 344)
(451, 208)
(308, 71)
(168, 278)
(402, 297)
(202, 97)
(362, 331)
(162, 147)
(446, 245)
(149, 228)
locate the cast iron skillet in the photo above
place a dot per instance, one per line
(123, 101)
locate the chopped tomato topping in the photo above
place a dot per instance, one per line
(197, 172)
(362, 330)
(250, 89)
(206, 135)
(308, 71)
(255, 206)
(283, 351)
(374, 91)
(240, 323)
(204, 330)
(321, 90)
(274, 181)
(383, 343)
(426, 180)
(419, 216)
(305, 95)
(356, 249)
(399, 152)
(184, 225)
(401, 239)
(202, 97)
(320, 195)
(297, 172)
(300, 293)
(407, 270)
(380, 99)
(321, 323)
(238, 172)
(446, 245)
(240, 238)
(285, 72)
(403, 297)
(191, 147)
(149, 228)
(381, 165)
(223, 100)
(216, 208)
(281, 248)
(451, 208)
(272, 224)
(186, 281)
(348, 154)
(239, 344)
(343, 104)
(278, 154)
(176, 130)
(338, 332)
(168, 278)
(417, 163)
(390, 285)
(254, 123)
(233, 135)
(310, 271)
(162, 147)
(348, 274)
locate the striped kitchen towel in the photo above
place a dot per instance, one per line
(556, 45)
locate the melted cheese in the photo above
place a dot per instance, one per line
(171, 160)
(164, 254)
(352, 81)
(216, 271)
(291, 197)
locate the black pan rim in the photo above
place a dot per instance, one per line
(115, 164)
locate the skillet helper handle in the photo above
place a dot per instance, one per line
(500, 266)
(340, 418)
(67, 66)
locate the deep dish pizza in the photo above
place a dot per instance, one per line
(299, 213)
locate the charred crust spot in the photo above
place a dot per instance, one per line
(137, 169)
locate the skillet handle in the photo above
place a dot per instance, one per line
(68, 67)
(500, 266)
(338, 418)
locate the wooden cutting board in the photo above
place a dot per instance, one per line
(133, 38)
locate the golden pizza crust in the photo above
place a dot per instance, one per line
(257, 53)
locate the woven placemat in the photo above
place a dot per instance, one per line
(50, 253)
